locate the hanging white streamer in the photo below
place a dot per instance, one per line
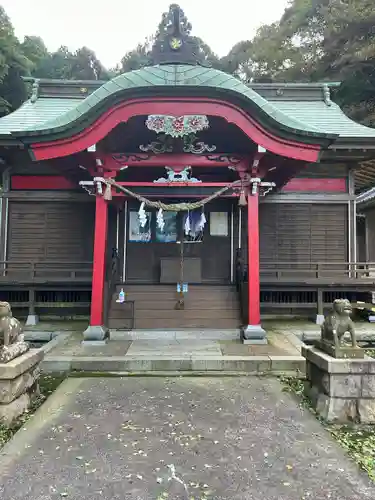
(142, 215)
(160, 220)
(202, 222)
(187, 224)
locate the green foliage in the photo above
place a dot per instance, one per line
(13, 65)
(80, 65)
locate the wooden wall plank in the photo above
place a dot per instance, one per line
(50, 231)
(301, 232)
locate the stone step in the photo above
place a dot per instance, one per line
(122, 365)
(175, 334)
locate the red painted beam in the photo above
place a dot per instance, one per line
(177, 161)
(173, 184)
(175, 107)
(316, 185)
(41, 182)
(176, 195)
(168, 185)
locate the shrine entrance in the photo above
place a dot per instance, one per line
(194, 246)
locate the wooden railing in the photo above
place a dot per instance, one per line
(287, 271)
(295, 276)
(33, 271)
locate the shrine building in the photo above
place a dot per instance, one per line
(178, 197)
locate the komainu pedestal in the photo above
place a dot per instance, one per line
(341, 390)
(19, 368)
(340, 379)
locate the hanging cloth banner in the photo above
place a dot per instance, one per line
(194, 223)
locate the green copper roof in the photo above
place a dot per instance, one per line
(311, 116)
(172, 76)
(330, 118)
(31, 115)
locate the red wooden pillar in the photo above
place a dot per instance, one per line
(97, 330)
(253, 333)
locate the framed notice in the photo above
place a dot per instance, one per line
(137, 233)
(219, 223)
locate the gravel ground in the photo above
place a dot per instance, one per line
(156, 438)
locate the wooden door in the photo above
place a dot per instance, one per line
(149, 255)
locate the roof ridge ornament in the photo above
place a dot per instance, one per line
(327, 95)
(35, 91)
(176, 46)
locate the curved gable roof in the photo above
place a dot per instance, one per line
(172, 77)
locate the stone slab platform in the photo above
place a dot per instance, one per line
(151, 364)
(141, 438)
(68, 354)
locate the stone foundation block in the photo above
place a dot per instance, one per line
(19, 385)
(366, 411)
(12, 389)
(341, 390)
(336, 409)
(20, 365)
(10, 412)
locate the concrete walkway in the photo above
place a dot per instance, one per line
(176, 438)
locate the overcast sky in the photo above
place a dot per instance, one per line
(112, 27)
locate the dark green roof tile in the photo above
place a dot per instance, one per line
(183, 75)
(312, 117)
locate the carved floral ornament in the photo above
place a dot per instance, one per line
(177, 126)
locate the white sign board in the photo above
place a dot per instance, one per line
(219, 223)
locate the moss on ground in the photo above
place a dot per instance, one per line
(357, 440)
(48, 384)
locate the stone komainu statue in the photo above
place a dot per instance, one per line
(10, 328)
(337, 323)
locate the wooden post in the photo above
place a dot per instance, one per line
(253, 333)
(320, 310)
(97, 332)
(32, 318)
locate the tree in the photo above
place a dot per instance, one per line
(349, 55)
(138, 57)
(86, 66)
(64, 64)
(13, 65)
(36, 52)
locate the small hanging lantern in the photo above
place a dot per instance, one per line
(242, 200)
